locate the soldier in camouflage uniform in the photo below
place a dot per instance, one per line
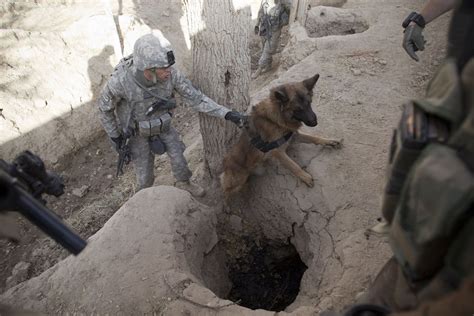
(429, 196)
(138, 100)
(272, 16)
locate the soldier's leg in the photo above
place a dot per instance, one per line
(275, 41)
(175, 149)
(265, 60)
(390, 289)
(270, 46)
(143, 161)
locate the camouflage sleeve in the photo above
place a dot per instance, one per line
(285, 12)
(260, 15)
(108, 100)
(195, 98)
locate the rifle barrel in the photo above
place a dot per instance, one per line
(47, 221)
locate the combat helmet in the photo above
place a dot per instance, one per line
(152, 51)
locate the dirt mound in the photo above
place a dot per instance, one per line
(173, 259)
(323, 21)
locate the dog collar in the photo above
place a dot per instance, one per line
(264, 147)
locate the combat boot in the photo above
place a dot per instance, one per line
(381, 229)
(261, 70)
(194, 189)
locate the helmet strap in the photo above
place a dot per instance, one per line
(140, 77)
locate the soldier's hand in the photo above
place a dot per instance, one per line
(118, 142)
(237, 118)
(413, 40)
(256, 29)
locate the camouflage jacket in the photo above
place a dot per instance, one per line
(123, 102)
(275, 14)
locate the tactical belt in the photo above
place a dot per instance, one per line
(264, 147)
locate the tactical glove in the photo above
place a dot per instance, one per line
(236, 118)
(118, 142)
(413, 40)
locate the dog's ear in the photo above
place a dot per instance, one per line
(281, 95)
(309, 83)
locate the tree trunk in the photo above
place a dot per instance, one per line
(221, 68)
(299, 10)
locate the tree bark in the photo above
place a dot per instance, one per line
(221, 68)
(299, 10)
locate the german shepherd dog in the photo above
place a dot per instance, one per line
(271, 125)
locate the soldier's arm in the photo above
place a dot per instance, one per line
(107, 102)
(260, 15)
(434, 8)
(195, 98)
(285, 12)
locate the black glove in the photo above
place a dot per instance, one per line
(256, 29)
(413, 40)
(236, 118)
(118, 142)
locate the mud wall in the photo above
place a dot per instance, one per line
(54, 60)
(56, 55)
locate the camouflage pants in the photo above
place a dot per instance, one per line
(390, 289)
(144, 159)
(270, 46)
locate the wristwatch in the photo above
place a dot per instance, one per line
(415, 17)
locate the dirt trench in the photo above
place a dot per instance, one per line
(320, 235)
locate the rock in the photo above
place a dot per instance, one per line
(329, 3)
(38, 252)
(109, 176)
(19, 274)
(324, 21)
(236, 223)
(80, 192)
(356, 72)
(382, 62)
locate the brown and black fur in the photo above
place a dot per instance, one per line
(284, 111)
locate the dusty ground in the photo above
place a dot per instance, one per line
(93, 167)
(91, 170)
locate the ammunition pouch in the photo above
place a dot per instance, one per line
(265, 27)
(434, 205)
(262, 31)
(161, 105)
(430, 194)
(155, 126)
(156, 145)
(415, 130)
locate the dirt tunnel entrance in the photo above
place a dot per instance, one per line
(267, 277)
(254, 271)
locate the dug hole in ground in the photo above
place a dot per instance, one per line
(281, 247)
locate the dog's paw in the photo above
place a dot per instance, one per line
(333, 143)
(308, 180)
